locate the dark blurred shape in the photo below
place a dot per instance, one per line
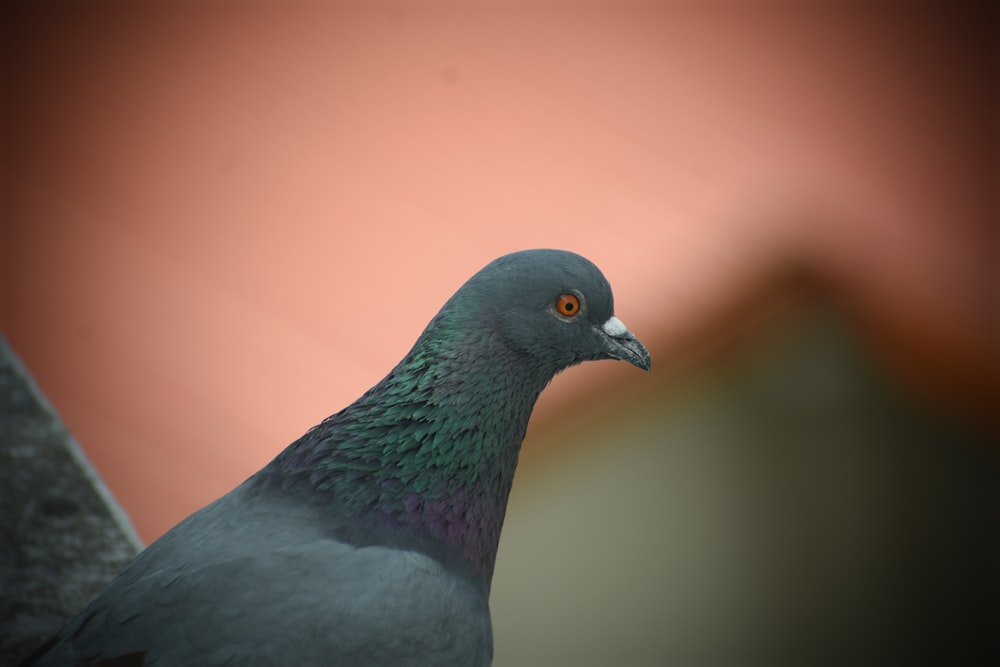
(62, 538)
(782, 499)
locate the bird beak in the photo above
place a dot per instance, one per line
(619, 343)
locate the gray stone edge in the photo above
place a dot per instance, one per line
(115, 509)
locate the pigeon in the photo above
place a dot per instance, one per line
(370, 540)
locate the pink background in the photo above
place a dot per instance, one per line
(223, 222)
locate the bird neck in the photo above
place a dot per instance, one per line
(425, 459)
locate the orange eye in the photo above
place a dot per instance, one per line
(568, 304)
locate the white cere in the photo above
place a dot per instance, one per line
(614, 327)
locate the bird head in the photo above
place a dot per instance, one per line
(553, 306)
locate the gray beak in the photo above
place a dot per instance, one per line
(622, 345)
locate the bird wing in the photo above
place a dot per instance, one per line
(267, 597)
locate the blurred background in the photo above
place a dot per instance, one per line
(222, 222)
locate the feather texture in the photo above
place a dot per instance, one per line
(370, 540)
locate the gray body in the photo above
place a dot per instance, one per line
(197, 597)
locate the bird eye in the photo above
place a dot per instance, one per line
(567, 305)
